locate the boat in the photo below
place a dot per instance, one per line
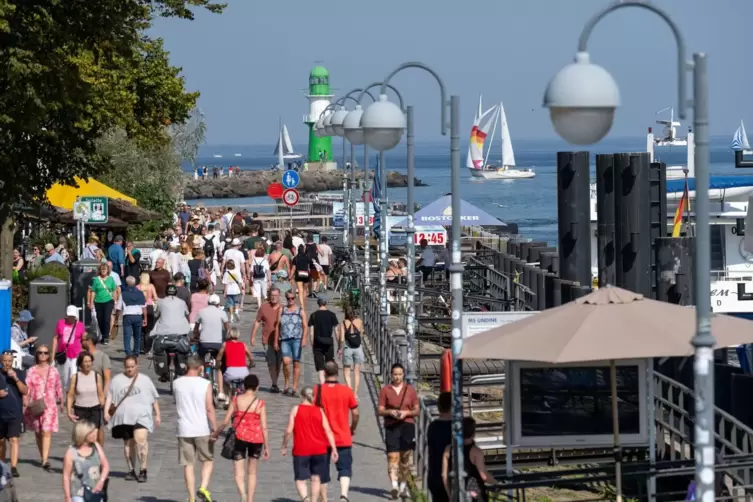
(237, 155)
(477, 162)
(740, 140)
(217, 156)
(670, 139)
(287, 146)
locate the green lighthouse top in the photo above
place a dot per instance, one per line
(319, 81)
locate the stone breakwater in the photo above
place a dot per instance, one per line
(254, 183)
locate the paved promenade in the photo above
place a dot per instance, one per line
(166, 483)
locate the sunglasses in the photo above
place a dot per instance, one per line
(290, 299)
(42, 352)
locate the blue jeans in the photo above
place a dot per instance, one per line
(291, 349)
(132, 328)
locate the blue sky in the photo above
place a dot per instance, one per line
(251, 63)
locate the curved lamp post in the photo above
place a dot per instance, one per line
(582, 99)
(352, 126)
(383, 123)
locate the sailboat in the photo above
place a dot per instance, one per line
(740, 140)
(286, 145)
(477, 162)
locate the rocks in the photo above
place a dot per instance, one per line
(254, 183)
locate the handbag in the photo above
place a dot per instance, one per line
(228, 446)
(60, 356)
(302, 274)
(38, 406)
(114, 407)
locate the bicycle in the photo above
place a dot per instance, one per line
(171, 346)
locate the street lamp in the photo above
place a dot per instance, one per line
(582, 98)
(382, 130)
(327, 123)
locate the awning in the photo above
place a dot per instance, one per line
(65, 195)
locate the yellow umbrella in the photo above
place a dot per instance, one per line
(64, 196)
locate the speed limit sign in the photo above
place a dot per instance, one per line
(290, 197)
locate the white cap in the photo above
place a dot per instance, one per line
(236, 242)
(71, 311)
(214, 300)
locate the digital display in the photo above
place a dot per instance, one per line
(47, 290)
(577, 401)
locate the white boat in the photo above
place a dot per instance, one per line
(217, 156)
(669, 139)
(237, 155)
(477, 162)
(287, 146)
(740, 140)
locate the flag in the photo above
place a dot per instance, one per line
(682, 206)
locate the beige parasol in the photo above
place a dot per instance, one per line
(608, 324)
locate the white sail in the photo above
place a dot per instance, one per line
(740, 139)
(469, 159)
(508, 154)
(286, 144)
(479, 132)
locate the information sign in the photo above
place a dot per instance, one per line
(91, 210)
(290, 197)
(478, 322)
(290, 179)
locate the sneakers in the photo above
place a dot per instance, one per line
(142, 476)
(203, 495)
(131, 476)
(221, 397)
(14, 472)
(394, 493)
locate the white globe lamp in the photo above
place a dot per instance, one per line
(383, 123)
(582, 98)
(352, 126)
(319, 126)
(328, 131)
(337, 121)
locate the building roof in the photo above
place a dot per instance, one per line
(319, 71)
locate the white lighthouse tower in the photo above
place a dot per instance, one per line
(319, 96)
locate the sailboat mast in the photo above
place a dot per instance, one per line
(280, 148)
(491, 139)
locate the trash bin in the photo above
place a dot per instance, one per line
(83, 273)
(48, 298)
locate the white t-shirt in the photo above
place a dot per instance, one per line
(116, 278)
(427, 257)
(232, 280)
(324, 253)
(191, 404)
(173, 262)
(236, 255)
(297, 241)
(264, 265)
(155, 255)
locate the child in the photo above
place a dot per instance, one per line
(237, 359)
(234, 288)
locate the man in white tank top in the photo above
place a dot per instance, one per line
(196, 421)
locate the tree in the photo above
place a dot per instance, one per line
(72, 71)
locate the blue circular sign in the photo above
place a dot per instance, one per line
(290, 179)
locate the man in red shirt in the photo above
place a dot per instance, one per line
(266, 317)
(339, 402)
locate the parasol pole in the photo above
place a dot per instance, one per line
(616, 431)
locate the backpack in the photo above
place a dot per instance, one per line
(259, 270)
(312, 252)
(353, 336)
(208, 247)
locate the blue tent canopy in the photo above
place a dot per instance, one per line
(439, 212)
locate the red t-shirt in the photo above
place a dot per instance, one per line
(406, 400)
(267, 316)
(308, 432)
(235, 354)
(337, 401)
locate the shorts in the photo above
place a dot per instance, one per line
(313, 465)
(232, 300)
(325, 269)
(400, 437)
(314, 275)
(208, 348)
(273, 356)
(291, 349)
(322, 355)
(344, 462)
(243, 449)
(92, 415)
(352, 357)
(189, 447)
(11, 428)
(236, 373)
(260, 288)
(125, 431)
(302, 280)
(438, 492)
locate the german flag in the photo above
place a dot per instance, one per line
(682, 206)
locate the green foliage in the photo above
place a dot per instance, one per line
(49, 269)
(73, 71)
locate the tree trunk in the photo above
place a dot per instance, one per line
(6, 247)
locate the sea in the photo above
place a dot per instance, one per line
(530, 203)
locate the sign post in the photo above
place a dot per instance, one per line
(89, 210)
(291, 197)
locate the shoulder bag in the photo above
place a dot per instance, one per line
(60, 356)
(89, 494)
(399, 406)
(38, 406)
(302, 274)
(114, 407)
(228, 446)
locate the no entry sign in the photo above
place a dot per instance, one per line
(290, 197)
(275, 190)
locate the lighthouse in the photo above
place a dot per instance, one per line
(319, 96)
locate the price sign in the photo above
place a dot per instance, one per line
(360, 220)
(433, 237)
